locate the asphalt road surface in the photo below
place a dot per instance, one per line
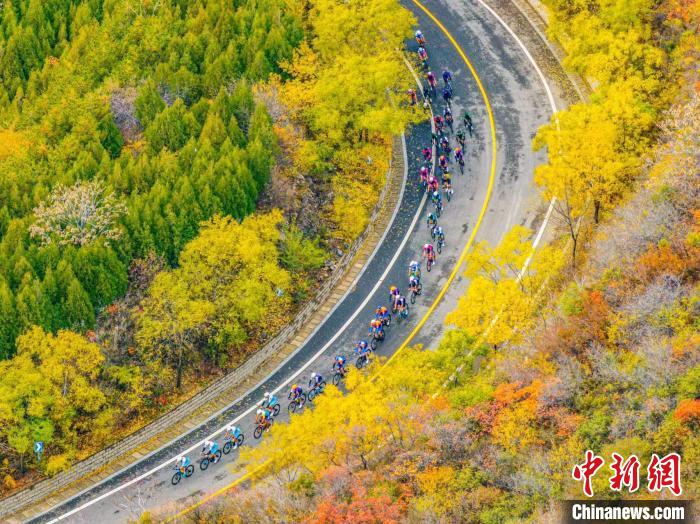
(520, 105)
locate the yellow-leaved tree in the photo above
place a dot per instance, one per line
(49, 392)
(585, 170)
(228, 289)
(502, 300)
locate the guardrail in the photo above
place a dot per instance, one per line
(103, 458)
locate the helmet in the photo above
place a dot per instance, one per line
(180, 459)
(267, 394)
(260, 412)
(435, 193)
(313, 375)
(294, 386)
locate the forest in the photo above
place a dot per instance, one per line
(602, 353)
(146, 221)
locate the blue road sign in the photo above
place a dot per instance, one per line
(38, 447)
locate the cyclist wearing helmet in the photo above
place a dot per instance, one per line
(412, 97)
(232, 433)
(339, 363)
(182, 463)
(424, 172)
(433, 184)
(428, 250)
(381, 313)
(427, 154)
(431, 79)
(432, 220)
(419, 37)
(361, 346)
(209, 450)
(446, 76)
(268, 401)
(295, 392)
(414, 268)
(443, 161)
(439, 234)
(262, 418)
(376, 328)
(437, 197)
(316, 380)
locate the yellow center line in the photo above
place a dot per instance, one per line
(489, 189)
(450, 279)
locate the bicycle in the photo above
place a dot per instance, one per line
(275, 410)
(440, 244)
(438, 207)
(403, 312)
(447, 190)
(431, 261)
(338, 376)
(297, 403)
(208, 458)
(315, 389)
(261, 427)
(460, 161)
(179, 473)
(432, 232)
(377, 337)
(386, 318)
(232, 444)
(362, 361)
(416, 291)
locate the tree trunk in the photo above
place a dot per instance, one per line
(178, 381)
(596, 211)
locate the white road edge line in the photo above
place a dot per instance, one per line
(298, 372)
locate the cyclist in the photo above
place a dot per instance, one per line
(467, 119)
(433, 139)
(424, 173)
(423, 55)
(433, 184)
(414, 269)
(295, 392)
(445, 145)
(376, 328)
(461, 137)
(459, 154)
(432, 82)
(381, 313)
(268, 401)
(232, 434)
(446, 182)
(262, 418)
(412, 96)
(400, 304)
(420, 38)
(315, 381)
(393, 293)
(182, 462)
(432, 220)
(442, 161)
(362, 348)
(437, 198)
(427, 154)
(339, 363)
(209, 450)
(428, 251)
(447, 95)
(439, 234)
(447, 115)
(446, 76)
(439, 122)
(413, 282)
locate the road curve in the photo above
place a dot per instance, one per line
(520, 105)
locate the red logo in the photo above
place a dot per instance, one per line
(662, 473)
(586, 471)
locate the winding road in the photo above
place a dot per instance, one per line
(505, 93)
